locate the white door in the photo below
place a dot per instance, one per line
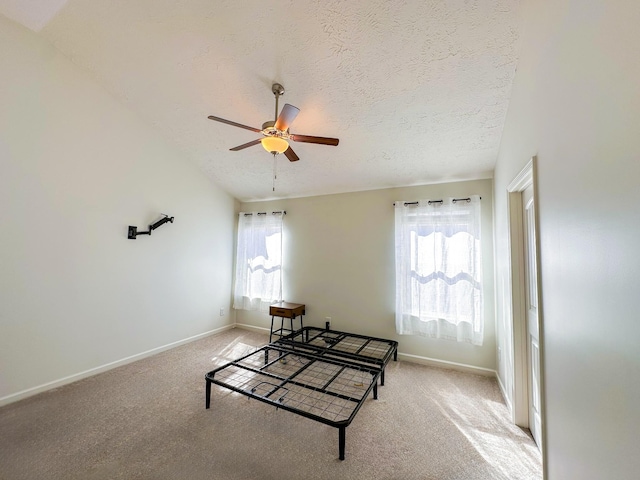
(533, 330)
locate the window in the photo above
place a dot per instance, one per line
(439, 269)
(258, 281)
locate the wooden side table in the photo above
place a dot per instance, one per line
(285, 310)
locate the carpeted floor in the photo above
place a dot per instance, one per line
(147, 420)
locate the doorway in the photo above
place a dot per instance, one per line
(525, 293)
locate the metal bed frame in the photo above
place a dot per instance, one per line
(296, 373)
(351, 347)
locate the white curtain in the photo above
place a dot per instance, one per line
(439, 269)
(258, 281)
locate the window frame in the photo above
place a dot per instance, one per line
(445, 301)
(259, 261)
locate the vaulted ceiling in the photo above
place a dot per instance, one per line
(416, 91)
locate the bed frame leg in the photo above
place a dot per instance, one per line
(375, 391)
(341, 441)
(382, 378)
(208, 395)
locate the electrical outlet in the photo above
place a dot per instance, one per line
(222, 312)
(327, 322)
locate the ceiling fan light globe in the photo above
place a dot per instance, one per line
(274, 144)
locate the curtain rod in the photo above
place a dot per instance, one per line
(283, 212)
(468, 199)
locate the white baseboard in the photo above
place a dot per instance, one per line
(14, 397)
(433, 362)
(252, 328)
(103, 368)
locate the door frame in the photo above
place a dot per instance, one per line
(520, 385)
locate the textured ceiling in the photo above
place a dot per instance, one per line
(417, 91)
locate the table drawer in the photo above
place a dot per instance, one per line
(286, 310)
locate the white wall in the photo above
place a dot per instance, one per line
(339, 262)
(576, 105)
(76, 168)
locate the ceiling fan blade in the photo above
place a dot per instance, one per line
(286, 117)
(291, 155)
(310, 139)
(245, 145)
(229, 122)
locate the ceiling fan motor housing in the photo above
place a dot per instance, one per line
(269, 130)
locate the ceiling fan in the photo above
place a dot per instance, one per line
(276, 133)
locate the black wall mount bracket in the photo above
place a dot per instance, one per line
(133, 231)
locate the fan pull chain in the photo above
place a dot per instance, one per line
(274, 172)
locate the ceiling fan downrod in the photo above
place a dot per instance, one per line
(277, 90)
